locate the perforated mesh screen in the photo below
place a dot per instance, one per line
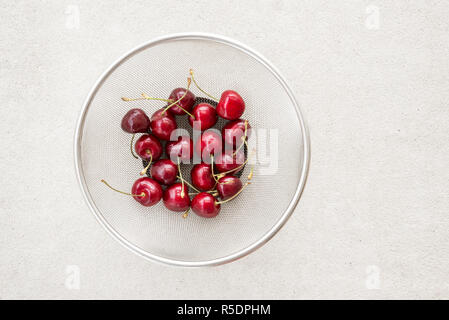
(156, 70)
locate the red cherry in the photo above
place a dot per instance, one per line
(173, 200)
(164, 171)
(183, 148)
(186, 103)
(135, 121)
(228, 186)
(233, 131)
(148, 147)
(150, 189)
(205, 114)
(162, 124)
(201, 176)
(228, 161)
(231, 105)
(208, 143)
(204, 205)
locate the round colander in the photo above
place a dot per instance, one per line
(279, 137)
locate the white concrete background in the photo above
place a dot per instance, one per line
(373, 221)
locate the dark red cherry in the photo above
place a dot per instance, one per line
(164, 171)
(201, 176)
(234, 131)
(182, 148)
(162, 124)
(151, 190)
(228, 186)
(204, 205)
(148, 147)
(208, 143)
(135, 121)
(227, 161)
(173, 200)
(205, 114)
(231, 105)
(186, 103)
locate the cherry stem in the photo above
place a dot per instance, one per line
(240, 147)
(186, 213)
(125, 193)
(144, 171)
(251, 172)
(199, 88)
(235, 195)
(146, 97)
(182, 179)
(212, 169)
(185, 181)
(189, 81)
(212, 192)
(250, 176)
(131, 147)
(233, 170)
(240, 166)
(243, 139)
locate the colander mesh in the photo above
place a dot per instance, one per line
(105, 154)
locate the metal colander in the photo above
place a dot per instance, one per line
(155, 68)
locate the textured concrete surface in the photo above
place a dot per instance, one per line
(373, 81)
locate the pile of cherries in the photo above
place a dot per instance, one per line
(214, 180)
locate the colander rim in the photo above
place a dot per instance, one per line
(168, 261)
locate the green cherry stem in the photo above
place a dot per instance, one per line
(131, 147)
(189, 81)
(218, 176)
(199, 88)
(243, 139)
(221, 174)
(185, 181)
(250, 176)
(234, 196)
(125, 193)
(182, 179)
(240, 166)
(144, 171)
(146, 97)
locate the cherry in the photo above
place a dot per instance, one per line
(151, 189)
(135, 121)
(183, 148)
(176, 197)
(164, 171)
(233, 132)
(148, 147)
(228, 186)
(230, 162)
(205, 114)
(162, 124)
(186, 103)
(231, 105)
(204, 205)
(146, 191)
(208, 143)
(201, 176)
